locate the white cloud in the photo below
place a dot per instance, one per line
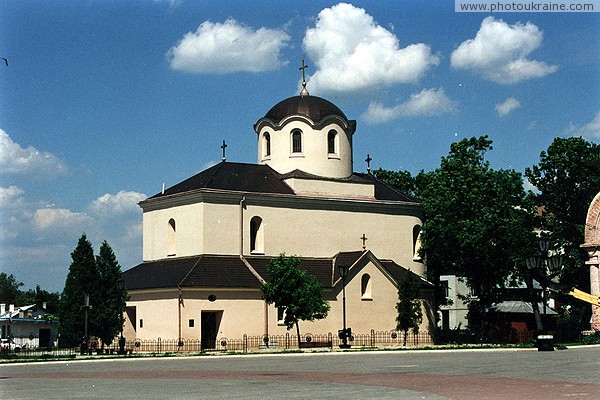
(591, 130)
(15, 159)
(499, 52)
(31, 233)
(58, 218)
(507, 106)
(120, 203)
(352, 52)
(428, 102)
(228, 47)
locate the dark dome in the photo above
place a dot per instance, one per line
(311, 107)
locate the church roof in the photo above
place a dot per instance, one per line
(313, 107)
(233, 176)
(261, 178)
(229, 271)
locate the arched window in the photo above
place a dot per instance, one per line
(256, 235)
(171, 238)
(365, 287)
(331, 138)
(267, 144)
(416, 242)
(296, 141)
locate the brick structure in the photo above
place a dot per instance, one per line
(592, 246)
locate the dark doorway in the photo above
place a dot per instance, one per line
(44, 338)
(210, 321)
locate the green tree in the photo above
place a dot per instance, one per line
(403, 181)
(9, 289)
(478, 223)
(109, 317)
(40, 296)
(295, 291)
(409, 305)
(82, 280)
(568, 178)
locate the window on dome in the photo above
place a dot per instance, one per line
(331, 138)
(296, 141)
(267, 144)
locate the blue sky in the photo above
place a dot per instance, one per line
(103, 101)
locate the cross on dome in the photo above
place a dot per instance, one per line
(304, 92)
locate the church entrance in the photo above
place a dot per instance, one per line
(210, 321)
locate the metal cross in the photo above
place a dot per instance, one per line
(223, 146)
(302, 68)
(303, 92)
(364, 240)
(368, 160)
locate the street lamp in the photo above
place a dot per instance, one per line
(345, 333)
(544, 267)
(120, 287)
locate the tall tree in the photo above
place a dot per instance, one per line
(9, 289)
(109, 317)
(295, 291)
(82, 280)
(401, 180)
(408, 306)
(568, 178)
(478, 224)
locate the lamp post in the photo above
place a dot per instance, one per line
(345, 333)
(544, 267)
(120, 287)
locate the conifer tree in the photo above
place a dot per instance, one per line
(82, 280)
(109, 317)
(408, 306)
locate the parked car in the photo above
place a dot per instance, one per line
(7, 345)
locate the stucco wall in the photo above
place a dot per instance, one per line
(308, 227)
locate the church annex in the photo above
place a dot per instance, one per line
(207, 240)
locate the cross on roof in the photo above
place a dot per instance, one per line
(304, 92)
(368, 160)
(223, 146)
(364, 241)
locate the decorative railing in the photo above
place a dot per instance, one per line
(283, 342)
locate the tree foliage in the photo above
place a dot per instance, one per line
(96, 277)
(410, 315)
(568, 178)
(478, 224)
(109, 317)
(294, 290)
(82, 279)
(9, 289)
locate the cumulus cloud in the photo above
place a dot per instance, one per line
(428, 102)
(15, 159)
(32, 233)
(120, 203)
(58, 218)
(499, 52)
(591, 130)
(228, 47)
(352, 52)
(507, 106)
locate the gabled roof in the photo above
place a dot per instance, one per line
(230, 271)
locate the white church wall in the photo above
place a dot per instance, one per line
(314, 158)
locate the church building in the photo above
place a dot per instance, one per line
(208, 239)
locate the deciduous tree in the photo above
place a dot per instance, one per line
(295, 291)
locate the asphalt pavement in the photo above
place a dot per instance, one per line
(418, 374)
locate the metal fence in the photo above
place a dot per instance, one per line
(283, 342)
(37, 353)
